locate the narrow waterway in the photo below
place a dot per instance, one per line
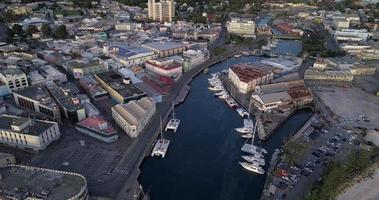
(202, 160)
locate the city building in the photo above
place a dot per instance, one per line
(129, 56)
(26, 182)
(352, 35)
(134, 116)
(338, 69)
(4, 89)
(25, 133)
(282, 96)
(83, 67)
(66, 96)
(165, 49)
(191, 31)
(119, 88)
(128, 26)
(14, 78)
(162, 11)
(246, 76)
(241, 26)
(93, 88)
(36, 98)
(97, 128)
(193, 58)
(165, 67)
(7, 159)
(283, 64)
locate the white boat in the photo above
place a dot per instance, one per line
(242, 112)
(213, 79)
(237, 55)
(252, 168)
(253, 148)
(231, 103)
(245, 53)
(248, 123)
(216, 74)
(220, 93)
(253, 159)
(161, 146)
(244, 130)
(216, 88)
(173, 123)
(224, 96)
(247, 136)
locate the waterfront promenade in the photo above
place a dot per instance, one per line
(143, 144)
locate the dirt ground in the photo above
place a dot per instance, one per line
(365, 190)
(351, 104)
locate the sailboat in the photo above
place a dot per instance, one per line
(173, 123)
(248, 125)
(161, 146)
(251, 148)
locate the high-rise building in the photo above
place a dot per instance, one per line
(162, 11)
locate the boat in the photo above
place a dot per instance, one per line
(253, 148)
(242, 112)
(245, 53)
(247, 136)
(248, 123)
(161, 146)
(231, 103)
(237, 55)
(244, 130)
(217, 74)
(205, 71)
(220, 93)
(253, 159)
(252, 168)
(216, 88)
(173, 123)
(224, 96)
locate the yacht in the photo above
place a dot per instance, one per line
(253, 159)
(245, 53)
(253, 148)
(216, 88)
(242, 112)
(231, 103)
(244, 130)
(224, 96)
(252, 168)
(248, 123)
(237, 55)
(247, 136)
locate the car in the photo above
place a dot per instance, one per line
(300, 166)
(282, 185)
(285, 178)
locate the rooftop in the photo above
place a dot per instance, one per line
(10, 71)
(161, 46)
(129, 52)
(65, 95)
(118, 83)
(17, 180)
(98, 124)
(35, 127)
(38, 93)
(247, 72)
(83, 63)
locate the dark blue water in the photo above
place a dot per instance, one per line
(202, 160)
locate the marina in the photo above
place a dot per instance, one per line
(208, 125)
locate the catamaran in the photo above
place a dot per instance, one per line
(161, 146)
(244, 130)
(173, 123)
(252, 167)
(251, 148)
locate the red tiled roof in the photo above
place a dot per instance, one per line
(170, 66)
(94, 122)
(248, 72)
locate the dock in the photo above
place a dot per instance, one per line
(268, 187)
(172, 125)
(160, 148)
(182, 95)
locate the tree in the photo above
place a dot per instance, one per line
(61, 32)
(32, 29)
(17, 29)
(46, 30)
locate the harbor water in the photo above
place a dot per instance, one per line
(202, 160)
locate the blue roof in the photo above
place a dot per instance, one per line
(132, 51)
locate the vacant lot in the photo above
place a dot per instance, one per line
(350, 103)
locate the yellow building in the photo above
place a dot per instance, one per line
(162, 11)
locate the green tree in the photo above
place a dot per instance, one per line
(31, 29)
(61, 32)
(46, 30)
(17, 29)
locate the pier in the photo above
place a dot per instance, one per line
(182, 95)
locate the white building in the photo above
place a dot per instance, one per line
(165, 67)
(193, 58)
(134, 116)
(353, 35)
(162, 11)
(26, 133)
(14, 78)
(241, 26)
(127, 26)
(246, 76)
(129, 56)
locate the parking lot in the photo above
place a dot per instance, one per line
(328, 143)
